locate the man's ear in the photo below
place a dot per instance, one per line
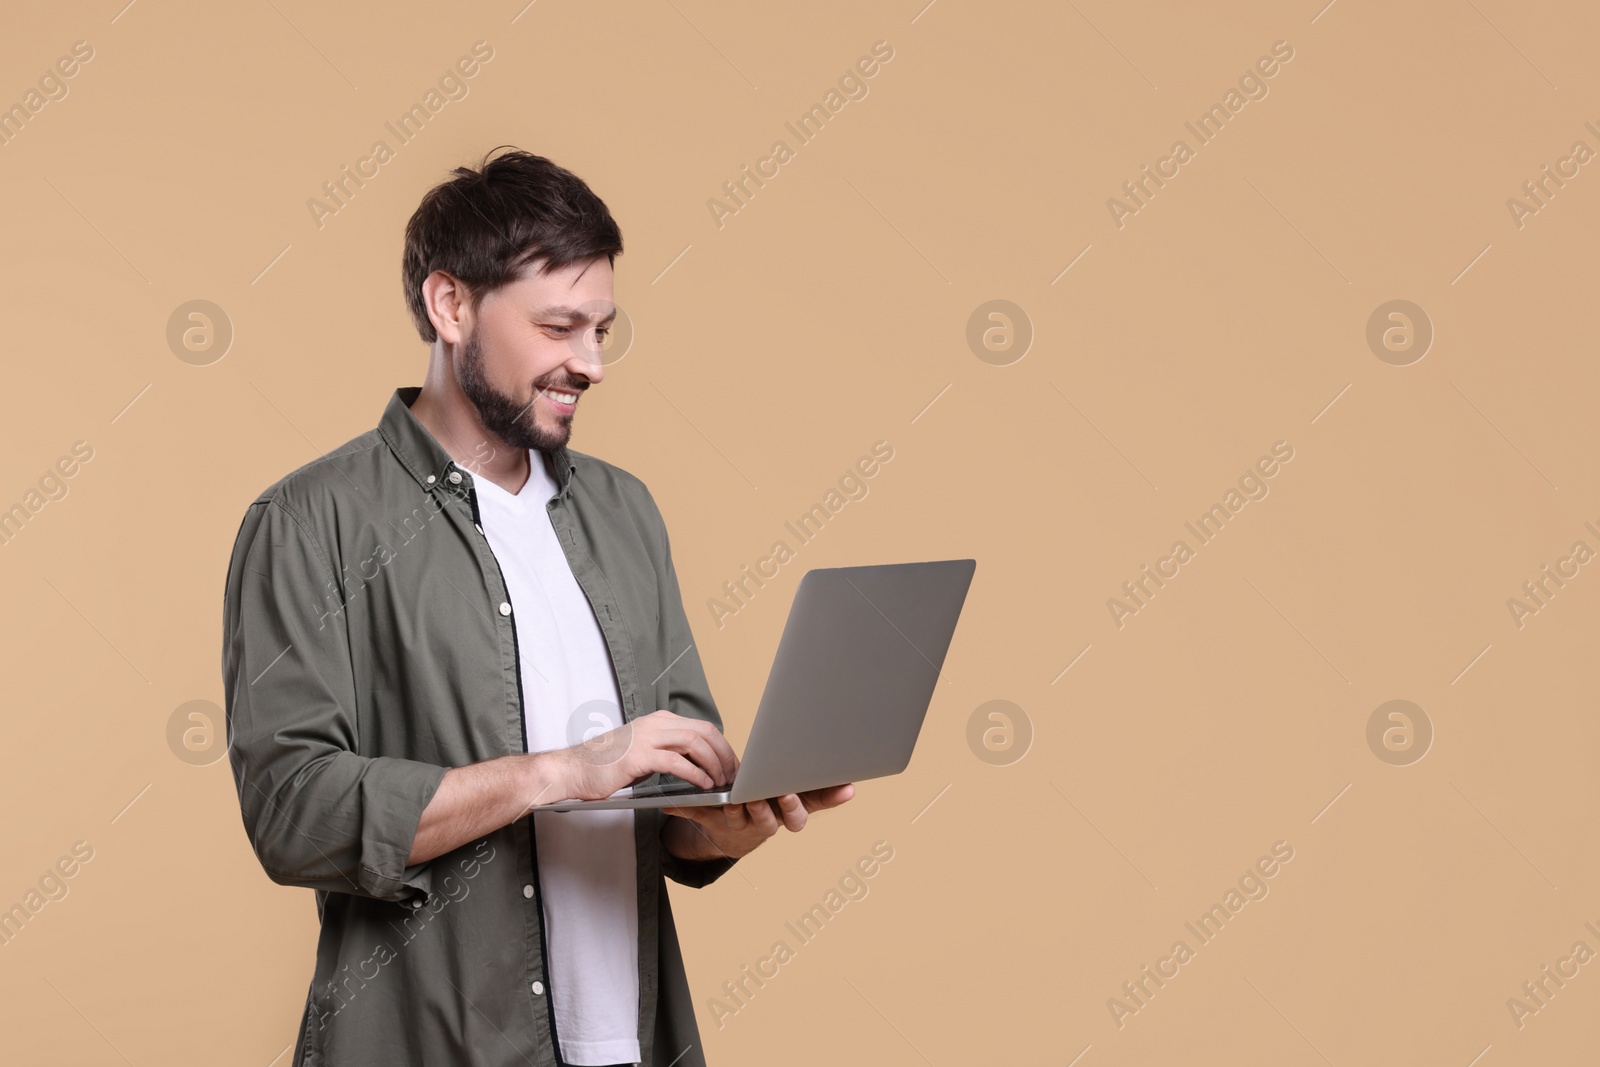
(445, 298)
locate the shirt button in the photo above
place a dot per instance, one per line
(416, 902)
(455, 477)
(505, 609)
(527, 891)
(431, 479)
(538, 989)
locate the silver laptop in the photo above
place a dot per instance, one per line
(845, 699)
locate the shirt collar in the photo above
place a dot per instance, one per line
(421, 453)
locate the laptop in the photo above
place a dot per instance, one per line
(849, 687)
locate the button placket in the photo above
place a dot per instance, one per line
(493, 571)
(598, 592)
(495, 585)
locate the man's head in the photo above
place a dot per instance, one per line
(508, 276)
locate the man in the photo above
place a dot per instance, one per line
(454, 617)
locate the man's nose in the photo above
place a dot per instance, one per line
(589, 367)
(588, 357)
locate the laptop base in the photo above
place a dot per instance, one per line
(649, 800)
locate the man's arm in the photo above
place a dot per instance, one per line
(474, 800)
(318, 813)
(482, 797)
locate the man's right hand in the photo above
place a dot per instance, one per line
(693, 749)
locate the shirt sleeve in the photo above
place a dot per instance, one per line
(318, 813)
(689, 695)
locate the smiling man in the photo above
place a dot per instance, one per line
(452, 618)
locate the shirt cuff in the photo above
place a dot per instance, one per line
(395, 793)
(692, 873)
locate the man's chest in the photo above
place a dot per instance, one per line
(439, 602)
(569, 681)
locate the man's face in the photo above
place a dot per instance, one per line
(533, 348)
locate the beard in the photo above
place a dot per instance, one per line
(515, 423)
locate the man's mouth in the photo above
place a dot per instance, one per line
(559, 396)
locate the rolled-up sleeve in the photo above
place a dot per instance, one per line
(687, 693)
(318, 813)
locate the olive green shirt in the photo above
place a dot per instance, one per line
(368, 645)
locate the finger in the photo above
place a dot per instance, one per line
(762, 817)
(697, 748)
(670, 762)
(723, 752)
(697, 738)
(831, 797)
(735, 816)
(792, 810)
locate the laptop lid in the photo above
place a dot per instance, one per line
(855, 671)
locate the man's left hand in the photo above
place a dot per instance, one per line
(715, 831)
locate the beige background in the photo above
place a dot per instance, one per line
(829, 313)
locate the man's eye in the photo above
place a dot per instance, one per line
(563, 329)
(602, 332)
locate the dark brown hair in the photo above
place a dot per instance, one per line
(484, 226)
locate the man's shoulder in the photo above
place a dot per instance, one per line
(340, 476)
(604, 477)
(621, 495)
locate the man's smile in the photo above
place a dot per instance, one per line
(565, 402)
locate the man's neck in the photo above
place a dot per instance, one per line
(454, 424)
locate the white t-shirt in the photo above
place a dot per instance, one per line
(587, 860)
